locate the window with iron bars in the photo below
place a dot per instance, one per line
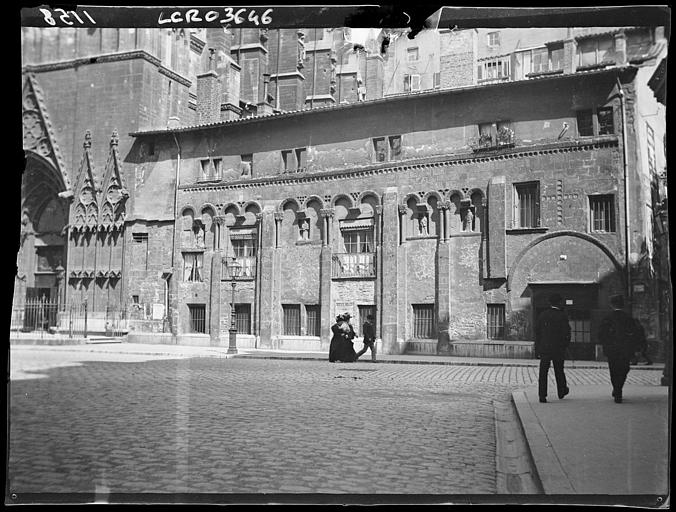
(291, 319)
(312, 320)
(198, 322)
(602, 213)
(580, 325)
(423, 321)
(495, 320)
(526, 205)
(243, 318)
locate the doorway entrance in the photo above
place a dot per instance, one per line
(579, 301)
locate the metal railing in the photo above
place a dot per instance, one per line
(360, 264)
(47, 316)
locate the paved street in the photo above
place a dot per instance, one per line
(131, 423)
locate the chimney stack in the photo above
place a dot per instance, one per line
(208, 97)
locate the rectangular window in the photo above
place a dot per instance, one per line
(312, 317)
(243, 318)
(395, 147)
(198, 315)
(407, 83)
(291, 319)
(358, 241)
(216, 169)
(580, 325)
(301, 158)
(364, 311)
(247, 165)
(437, 80)
(585, 123)
(192, 266)
(380, 147)
(504, 133)
(135, 299)
(602, 213)
(205, 166)
(555, 58)
(496, 69)
(423, 321)
(540, 60)
(495, 319)
(412, 54)
(526, 205)
(415, 83)
(650, 135)
(596, 51)
(139, 251)
(605, 118)
(493, 38)
(245, 252)
(287, 160)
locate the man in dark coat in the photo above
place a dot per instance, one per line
(617, 334)
(552, 336)
(369, 333)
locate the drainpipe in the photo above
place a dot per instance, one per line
(627, 230)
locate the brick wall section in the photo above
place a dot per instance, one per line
(457, 57)
(208, 98)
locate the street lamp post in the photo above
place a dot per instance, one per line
(234, 267)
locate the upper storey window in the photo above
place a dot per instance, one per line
(411, 83)
(387, 149)
(595, 122)
(493, 70)
(294, 160)
(412, 54)
(494, 135)
(493, 39)
(210, 169)
(596, 51)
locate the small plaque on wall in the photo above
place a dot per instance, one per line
(639, 288)
(158, 311)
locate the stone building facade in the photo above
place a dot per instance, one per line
(399, 210)
(449, 214)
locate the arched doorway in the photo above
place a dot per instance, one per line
(41, 259)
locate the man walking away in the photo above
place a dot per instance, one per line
(369, 333)
(642, 345)
(617, 335)
(552, 336)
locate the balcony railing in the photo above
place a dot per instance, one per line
(504, 139)
(357, 265)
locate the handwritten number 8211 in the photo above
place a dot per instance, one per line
(64, 17)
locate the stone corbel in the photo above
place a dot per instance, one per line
(403, 211)
(279, 217)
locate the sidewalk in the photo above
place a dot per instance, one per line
(588, 444)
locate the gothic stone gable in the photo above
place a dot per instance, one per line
(85, 205)
(113, 190)
(38, 135)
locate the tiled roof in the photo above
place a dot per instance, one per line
(387, 99)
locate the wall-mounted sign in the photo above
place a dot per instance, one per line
(158, 311)
(569, 302)
(639, 288)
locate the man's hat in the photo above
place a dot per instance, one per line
(347, 315)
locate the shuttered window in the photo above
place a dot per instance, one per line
(423, 321)
(526, 205)
(312, 317)
(602, 212)
(495, 321)
(291, 319)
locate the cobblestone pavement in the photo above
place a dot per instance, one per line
(133, 424)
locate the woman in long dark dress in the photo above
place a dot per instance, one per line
(341, 349)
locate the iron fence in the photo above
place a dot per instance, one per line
(47, 316)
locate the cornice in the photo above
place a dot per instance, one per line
(109, 57)
(418, 163)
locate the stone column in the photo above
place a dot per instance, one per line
(257, 280)
(220, 222)
(378, 242)
(402, 226)
(325, 271)
(392, 239)
(443, 281)
(215, 299)
(270, 239)
(445, 209)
